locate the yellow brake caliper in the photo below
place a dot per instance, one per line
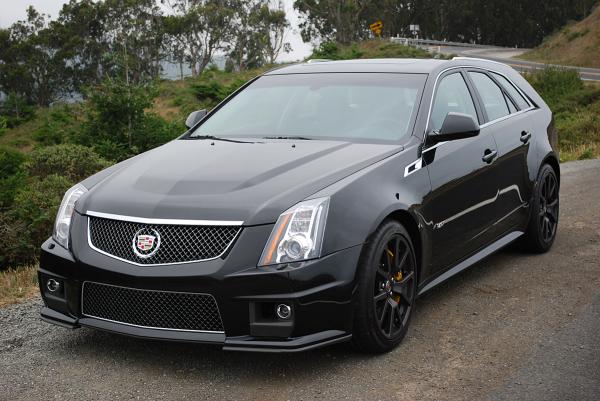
(397, 278)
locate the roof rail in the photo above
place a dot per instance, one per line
(477, 59)
(318, 60)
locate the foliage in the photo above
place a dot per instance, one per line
(555, 84)
(57, 126)
(259, 37)
(118, 125)
(31, 193)
(347, 21)
(30, 65)
(28, 223)
(213, 92)
(576, 110)
(11, 175)
(15, 109)
(199, 28)
(341, 20)
(367, 49)
(75, 162)
(577, 44)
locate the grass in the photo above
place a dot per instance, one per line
(18, 285)
(576, 44)
(576, 108)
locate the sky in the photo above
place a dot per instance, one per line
(14, 10)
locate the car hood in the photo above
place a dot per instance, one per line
(217, 180)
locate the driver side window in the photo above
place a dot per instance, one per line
(452, 95)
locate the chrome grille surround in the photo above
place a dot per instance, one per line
(151, 309)
(182, 241)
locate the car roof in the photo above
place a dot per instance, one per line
(389, 65)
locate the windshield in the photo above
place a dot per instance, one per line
(362, 106)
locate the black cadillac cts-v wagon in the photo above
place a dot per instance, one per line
(312, 206)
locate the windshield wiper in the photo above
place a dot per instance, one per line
(303, 138)
(216, 138)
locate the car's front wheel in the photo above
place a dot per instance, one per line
(386, 290)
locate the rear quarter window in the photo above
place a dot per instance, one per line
(512, 91)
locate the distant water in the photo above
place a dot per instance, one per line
(173, 71)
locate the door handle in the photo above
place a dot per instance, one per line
(525, 136)
(489, 156)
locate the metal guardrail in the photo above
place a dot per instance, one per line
(431, 42)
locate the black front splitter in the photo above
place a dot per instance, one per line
(241, 343)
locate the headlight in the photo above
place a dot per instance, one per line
(63, 218)
(298, 233)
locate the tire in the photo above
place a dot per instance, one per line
(543, 218)
(386, 289)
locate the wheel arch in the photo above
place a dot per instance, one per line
(410, 223)
(552, 160)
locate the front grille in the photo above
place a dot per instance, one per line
(175, 243)
(151, 309)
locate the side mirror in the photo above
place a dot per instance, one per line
(195, 117)
(455, 126)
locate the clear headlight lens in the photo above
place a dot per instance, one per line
(63, 218)
(298, 233)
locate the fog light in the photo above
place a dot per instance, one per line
(52, 285)
(283, 311)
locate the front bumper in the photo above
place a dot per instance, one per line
(319, 292)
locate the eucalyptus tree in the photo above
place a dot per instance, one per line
(205, 27)
(31, 67)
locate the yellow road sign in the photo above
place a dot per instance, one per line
(376, 26)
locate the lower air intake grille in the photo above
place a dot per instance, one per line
(151, 309)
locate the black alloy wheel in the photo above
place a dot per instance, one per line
(387, 284)
(543, 222)
(548, 207)
(394, 287)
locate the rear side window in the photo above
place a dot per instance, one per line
(452, 95)
(512, 91)
(494, 102)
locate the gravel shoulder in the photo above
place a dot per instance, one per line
(514, 327)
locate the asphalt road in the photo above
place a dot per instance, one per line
(506, 55)
(514, 327)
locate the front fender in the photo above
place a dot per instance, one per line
(362, 201)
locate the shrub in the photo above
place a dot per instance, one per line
(118, 125)
(327, 50)
(29, 223)
(57, 127)
(212, 92)
(11, 175)
(576, 110)
(554, 84)
(367, 49)
(75, 162)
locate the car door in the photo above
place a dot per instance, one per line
(508, 122)
(463, 180)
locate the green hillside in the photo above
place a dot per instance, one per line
(576, 44)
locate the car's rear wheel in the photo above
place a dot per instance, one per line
(386, 289)
(543, 221)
